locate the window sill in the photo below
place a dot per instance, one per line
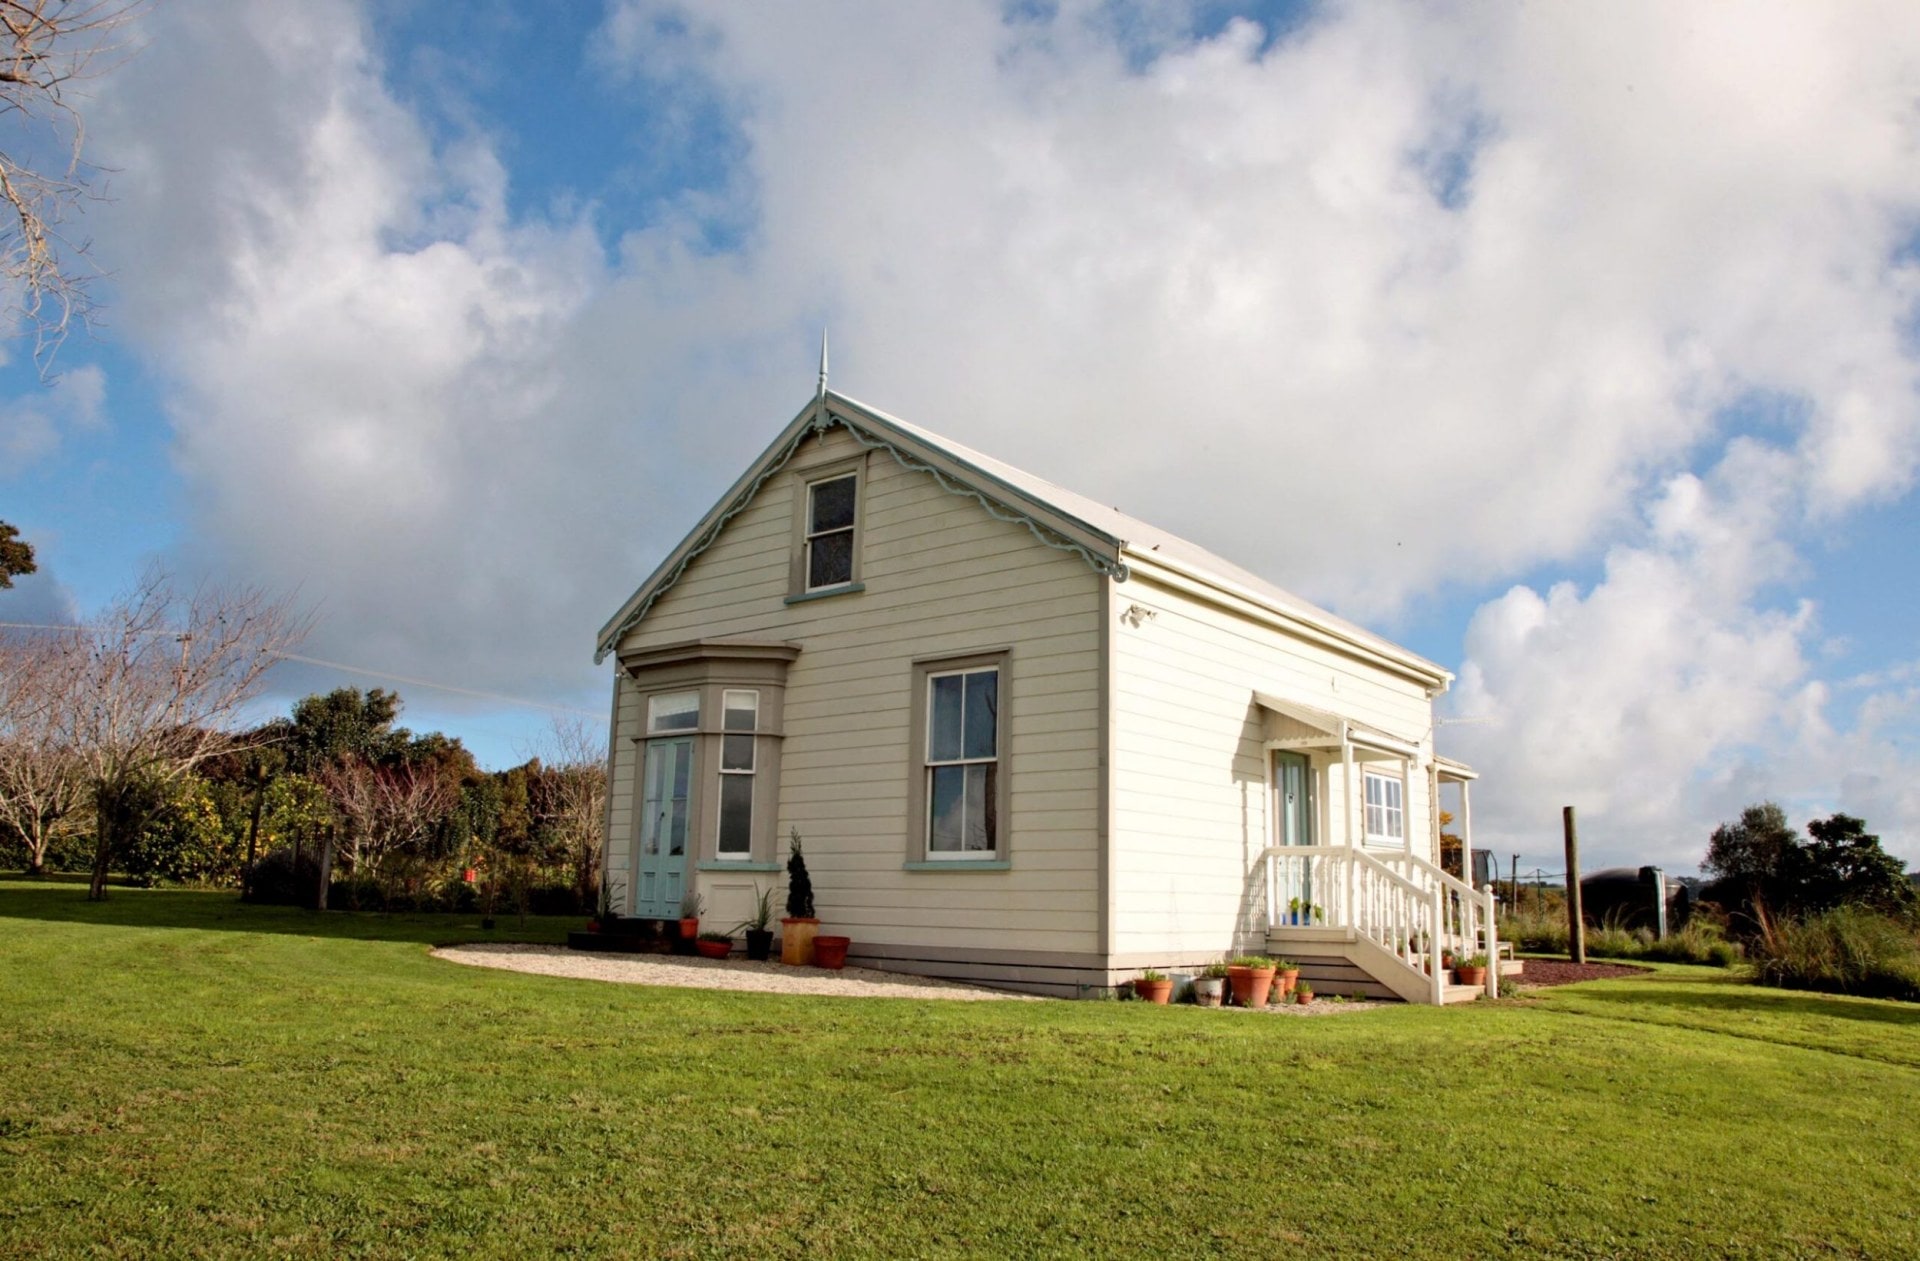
(845, 588)
(720, 864)
(962, 864)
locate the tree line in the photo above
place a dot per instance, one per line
(122, 750)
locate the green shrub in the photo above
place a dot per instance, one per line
(1701, 941)
(1849, 950)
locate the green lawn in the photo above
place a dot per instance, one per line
(184, 1076)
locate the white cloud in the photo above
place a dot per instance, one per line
(1410, 301)
(37, 422)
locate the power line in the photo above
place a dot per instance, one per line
(385, 676)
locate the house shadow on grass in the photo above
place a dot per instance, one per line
(62, 901)
(1740, 997)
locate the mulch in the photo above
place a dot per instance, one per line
(1541, 972)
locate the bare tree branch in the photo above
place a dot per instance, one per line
(45, 47)
(154, 689)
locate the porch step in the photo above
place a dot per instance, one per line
(1331, 974)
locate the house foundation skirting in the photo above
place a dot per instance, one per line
(1054, 974)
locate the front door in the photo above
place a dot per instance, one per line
(661, 873)
(1293, 825)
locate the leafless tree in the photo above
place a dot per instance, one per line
(576, 798)
(388, 811)
(40, 774)
(46, 48)
(156, 686)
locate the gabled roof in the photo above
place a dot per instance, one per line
(1106, 538)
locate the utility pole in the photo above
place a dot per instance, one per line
(1576, 925)
(1513, 882)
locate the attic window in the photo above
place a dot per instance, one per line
(831, 508)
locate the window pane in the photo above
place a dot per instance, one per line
(736, 753)
(944, 806)
(983, 705)
(678, 712)
(979, 825)
(943, 729)
(830, 559)
(742, 710)
(832, 505)
(677, 828)
(736, 814)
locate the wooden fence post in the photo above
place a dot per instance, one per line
(1576, 923)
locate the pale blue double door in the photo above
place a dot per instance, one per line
(660, 868)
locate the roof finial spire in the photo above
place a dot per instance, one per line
(823, 364)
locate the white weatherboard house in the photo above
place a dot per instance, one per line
(1028, 740)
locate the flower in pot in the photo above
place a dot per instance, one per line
(1293, 911)
(758, 926)
(798, 928)
(1209, 985)
(1303, 995)
(1286, 975)
(1251, 977)
(1473, 970)
(690, 907)
(713, 945)
(1153, 986)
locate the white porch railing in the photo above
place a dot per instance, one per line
(1403, 904)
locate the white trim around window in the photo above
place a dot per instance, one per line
(960, 794)
(739, 760)
(1386, 810)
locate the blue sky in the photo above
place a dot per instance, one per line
(1573, 350)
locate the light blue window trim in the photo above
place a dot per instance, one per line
(961, 864)
(716, 865)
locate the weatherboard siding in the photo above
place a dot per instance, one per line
(942, 578)
(1191, 803)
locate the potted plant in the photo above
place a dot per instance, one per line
(758, 927)
(604, 919)
(1304, 994)
(1473, 970)
(1207, 987)
(1286, 975)
(1251, 977)
(1153, 986)
(1293, 911)
(798, 928)
(690, 908)
(830, 952)
(713, 945)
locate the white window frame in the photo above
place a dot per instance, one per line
(929, 764)
(726, 772)
(1386, 814)
(809, 534)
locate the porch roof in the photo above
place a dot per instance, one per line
(1327, 725)
(1450, 770)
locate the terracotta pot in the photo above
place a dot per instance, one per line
(1473, 976)
(713, 949)
(759, 944)
(593, 925)
(690, 928)
(1154, 991)
(1287, 982)
(796, 940)
(1250, 985)
(831, 952)
(1303, 997)
(1206, 990)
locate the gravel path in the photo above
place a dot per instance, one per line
(693, 972)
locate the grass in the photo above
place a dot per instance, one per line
(182, 1075)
